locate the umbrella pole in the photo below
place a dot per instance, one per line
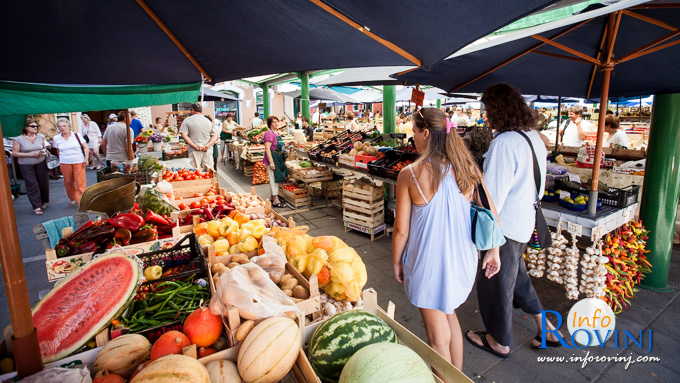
(604, 95)
(559, 120)
(25, 339)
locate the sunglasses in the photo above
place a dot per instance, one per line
(32, 126)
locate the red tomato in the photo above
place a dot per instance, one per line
(195, 204)
(210, 193)
(205, 201)
(206, 177)
(182, 206)
(198, 195)
(199, 173)
(179, 179)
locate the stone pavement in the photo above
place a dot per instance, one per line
(659, 312)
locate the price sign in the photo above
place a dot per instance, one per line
(564, 194)
(574, 177)
(575, 229)
(417, 97)
(322, 105)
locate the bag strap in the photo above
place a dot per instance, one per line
(80, 143)
(565, 124)
(483, 198)
(537, 172)
(474, 226)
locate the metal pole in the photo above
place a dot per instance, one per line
(25, 340)
(389, 108)
(439, 103)
(265, 101)
(304, 94)
(604, 95)
(661, 188)
(559, 120)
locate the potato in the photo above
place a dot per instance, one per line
(232, 265)
(264, 262)
(286, 277)
(291, 315)
(288, 292)
(224, 270)
(244, 329)
(217, 267)
(300, 292)
(274, 279)
(244, 261)
(240, 258)
(289, 284)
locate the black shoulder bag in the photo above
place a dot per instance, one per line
(540, 238)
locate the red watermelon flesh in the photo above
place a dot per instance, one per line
(82, 304)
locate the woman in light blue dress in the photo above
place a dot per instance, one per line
(433, 253)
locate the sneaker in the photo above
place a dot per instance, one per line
(90, 167)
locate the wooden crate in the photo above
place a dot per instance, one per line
(187, 197)
(407, 338)
(331, 188)
(313, 174)
(370, 221)
(361, 191)
(314, 189)
(347, 160)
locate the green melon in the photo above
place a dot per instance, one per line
(81, 305)
(386, 363)
(339, 337)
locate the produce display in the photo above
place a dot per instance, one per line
(122, 355)
(386, 363)
(186, 175)
(173, 368)
(231, 235)
(401, 164)
(335, 341)
(260, 173)
(338, 267)
(85, 302)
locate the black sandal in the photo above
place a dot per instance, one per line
(485, 343)
(548, 343)
(280, 204)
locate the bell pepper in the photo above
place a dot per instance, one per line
(299, 262)
(87, 247)
(233, 237)
(247, 244)
(259, 231)
(62, 251)
(122, 236)
(208, 213)
(221, 246)
(152, 273)
(156, 219)
(136, 209)
(130, 221)
(98, 233)
(146, 233)
(81, 229)
(228, 225)
(234, 249)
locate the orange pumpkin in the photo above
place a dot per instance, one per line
(202, 327)
(172, 342)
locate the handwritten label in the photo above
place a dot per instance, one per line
(575, 229)
(596, 233)
(417, 97)
(574, 177)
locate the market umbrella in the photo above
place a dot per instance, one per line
(367, 96)
(366, 76)
(172, 41)
(208, 94)
(324, 94)
(620, 50)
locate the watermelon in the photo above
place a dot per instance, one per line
(339, 337)
(85, 302)
(386, 363)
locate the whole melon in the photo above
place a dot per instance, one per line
(172, 342)
(84, 303)
(340, 337)
(122, 355)
(173, 369)
(386, 363)
(269, 351)
(202, 327)
(223, 371)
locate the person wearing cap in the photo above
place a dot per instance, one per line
(114, 143)
(135, 124)
(112, 119)
(90, 131)
(200, 135)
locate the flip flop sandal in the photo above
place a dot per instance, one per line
(38, 211)
(548, 343)
(485, 343)
(280, 204)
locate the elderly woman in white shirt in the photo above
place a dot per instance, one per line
(73, 158)
(91, 130)
(509, 179)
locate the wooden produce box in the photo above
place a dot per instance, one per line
(195, 183)
(247, 167)
(313, 174)
(187, 196)
(255, 153)
(297, 198)
(331, 188)
(406, 338)
(314, 189)
(347, 160)
(362, 191)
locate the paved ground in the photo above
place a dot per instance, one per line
(659, 312)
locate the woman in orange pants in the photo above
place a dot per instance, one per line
(73, 158)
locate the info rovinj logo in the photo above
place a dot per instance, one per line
(592, 322)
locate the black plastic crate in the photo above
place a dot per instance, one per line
(620, 198)
(187, 255)
(331, 160)
(141, 176)
(392, 158)
(377, 168)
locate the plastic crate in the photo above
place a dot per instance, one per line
(377, 168)
(394, 157)
(620, 198)
(187, 254)
(328, 149)
(141, 176)
(173, 156)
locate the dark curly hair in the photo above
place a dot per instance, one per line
(507, 110)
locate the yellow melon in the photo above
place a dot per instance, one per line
(269, 351)
(173, 369)
(122, 355)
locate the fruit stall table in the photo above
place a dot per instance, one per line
(607, 219)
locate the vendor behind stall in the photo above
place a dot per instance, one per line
(574, 131)
(309, 131)
(617, 137)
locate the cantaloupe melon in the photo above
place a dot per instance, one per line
(269, 351)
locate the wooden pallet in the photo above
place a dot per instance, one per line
(375, 232)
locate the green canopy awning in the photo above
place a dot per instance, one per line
(19, 99)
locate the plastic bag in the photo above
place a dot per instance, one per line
(59, 375)
(150, 198)
(164, 187)
(249, 288)
(273, 261)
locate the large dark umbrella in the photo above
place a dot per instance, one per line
(208, 94)
(627, 49)
(325, 94)
(174, 41)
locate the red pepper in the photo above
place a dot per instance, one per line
(130, 221)
(146, 234)
(156, 219)
(87, 247)
(122, 236)
(98, 233)
(85, 226)
(136, 209)
(62, 250)
(208, 213)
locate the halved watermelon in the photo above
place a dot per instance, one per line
(84, 303)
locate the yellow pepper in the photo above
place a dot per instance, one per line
(244, 233)
(257, 222)
(221, 246)
(259, 231)
(234, 249)
(299, 262)
(205, 239)
(248, 244)
(248, 226)
(152, 273)
(228, 226)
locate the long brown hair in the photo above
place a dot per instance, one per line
(444, 149)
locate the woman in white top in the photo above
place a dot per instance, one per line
(90, 129)
(73, 155)
(229, 127)
(617, 137)
(351, 124)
